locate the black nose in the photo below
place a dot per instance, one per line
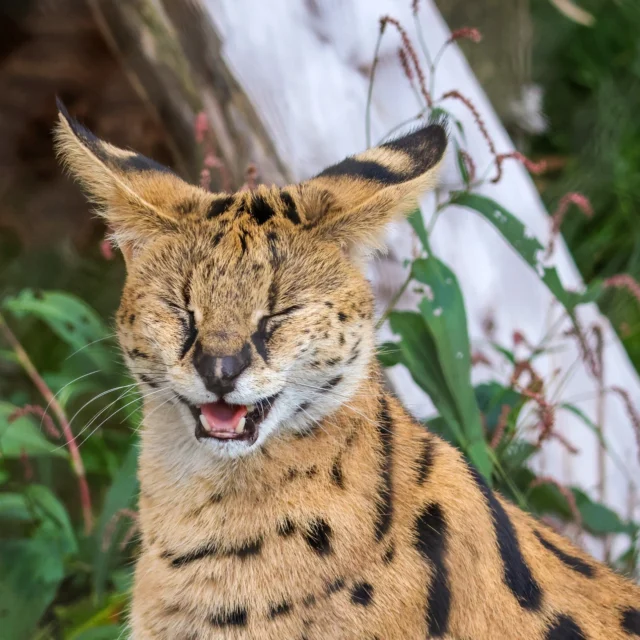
(219, 373)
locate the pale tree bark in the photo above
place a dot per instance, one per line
(171, 54)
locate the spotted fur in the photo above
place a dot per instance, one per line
(345, 519)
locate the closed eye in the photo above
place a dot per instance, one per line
(192, 334)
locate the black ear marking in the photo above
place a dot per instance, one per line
(364, 170)
(517, 574)
(423, 147)
(135, 162)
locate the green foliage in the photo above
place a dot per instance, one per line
(56, 579)
(591, 78)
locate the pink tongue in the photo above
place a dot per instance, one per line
(223, 417)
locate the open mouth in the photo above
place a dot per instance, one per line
(223, 421)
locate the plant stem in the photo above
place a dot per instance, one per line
(47, 394)
(374, 64)
(394, 301)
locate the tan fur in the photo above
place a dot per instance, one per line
(346, 519)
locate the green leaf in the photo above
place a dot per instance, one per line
(30, 572)
(53, 515)
(70, 318)
(597, 518)
(462, 165)
(525, 244)
(121, 495)
(417, 223)
(491, 397)
(420, 356)
(14, 507)
(108, 632)
(444, 313)
(24, 435)
(390, 354)
(516, 454)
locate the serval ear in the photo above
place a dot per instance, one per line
(352, 202)
(139, 198)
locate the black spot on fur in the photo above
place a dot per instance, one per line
(303, 407)
(353, 357)
(229, 618)
(431, 542)
(186, 206)
(290, 211)
(212, 549)
(426, 461)
(631, 620)
(149, 381)
(334, 382)
(384, 507)
(517, 574)
(216, 239)
(336, 473)
(389, 554)
(219, 206)
(312, 471)
(332, 362)
(318, 536)
(261, 210)
(362, 594)
(272, 239)
(136, 353)
(280, 609)
(215, 498)
(291, 474)
(132, 318)
(341, 340)
(329, 304)
(243, 242)
(342, 316)
(335, 586)
(248, 548)
(573, 562)
(309, 600)
(286, 528)
(564, 628)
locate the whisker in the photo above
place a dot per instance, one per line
(109, 337)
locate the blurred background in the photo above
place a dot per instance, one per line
(542, 98)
